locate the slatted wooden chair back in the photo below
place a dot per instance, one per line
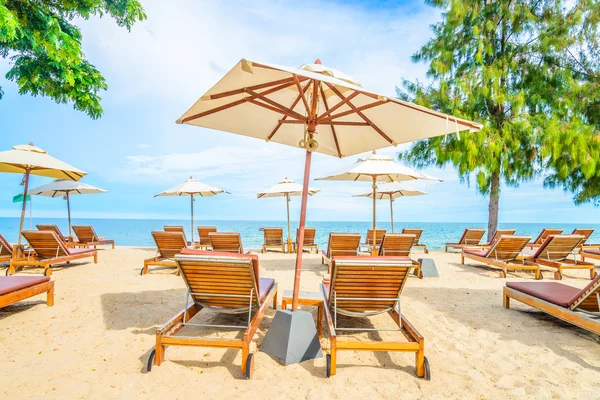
(273, 236)
(309, 236)
(169, 243)
(343, 244)
(85, 233)
(214, 275)
(6, 248)
(52, 228)
(508, 247)
(378, 237)
(585, 232)
(471, 236)
(356, 278)
(413, 231)
(228, 242)
(589, 297)
(501, 232)
(558, 247)
(46, 244)
(545, 233)
(397, 244)
(175, 228)
(203, 232)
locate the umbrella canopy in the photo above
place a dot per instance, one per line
(192, 188)
(28, 160)
(391, 191)
(316, 108)
(65, 188)
(286, 188)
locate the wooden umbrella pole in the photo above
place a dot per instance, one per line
(300, 239)
(374, 250)
(392, 211)
(27, 172)
(69, 212)
(192, 207)
(289, 239)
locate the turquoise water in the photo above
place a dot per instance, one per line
(136, 232)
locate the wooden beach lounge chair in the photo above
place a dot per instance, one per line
(505, 253)
(6, 250)
(168, 244)
(590, 253)
(543, 235)
(369, 238)
(496, 235)
(586, 233)
(309, 240)
(361, 287)
(340, 244)
(273, 239)
(223, 282)
(228, 242)
(203, 240)
(470, 237)
(49, 250)
(555, 252)
(580, 307)
(17, 288)
(54, 228)
(176, 228)
(417, 232)
(399, 245)
(86, 236)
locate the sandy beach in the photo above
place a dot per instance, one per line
(95, 341)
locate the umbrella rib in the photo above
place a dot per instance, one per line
(284, 118)
(354, 110)
(360, 114)
(297, 81)
(284, 110)
(255, 87)
(272, 108)
(335, 139)
(338, 105)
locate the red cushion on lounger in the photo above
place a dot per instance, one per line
(592, 251)
(477, 252)
(552, 292)
(10, 284)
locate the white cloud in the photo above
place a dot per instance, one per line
(143, 146)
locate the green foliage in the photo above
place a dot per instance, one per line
(502, 63)
(44, 47)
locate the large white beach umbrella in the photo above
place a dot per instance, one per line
(65, 188)
(317, 109)
(286, 188)
(192, 188)
(392, 191)
(376, 168)
(28, 159)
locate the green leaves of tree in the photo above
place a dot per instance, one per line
(45, 48)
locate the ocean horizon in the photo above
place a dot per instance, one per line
(136, 232)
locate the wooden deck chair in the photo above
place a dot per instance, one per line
(555, 252)
(417, 232)
(496, 235)
(223, 282)
(86, 236)
(470, 237)
(505, 253)
(309, 240)
(399, 245)
(49, 250)
(203, 240)
(228, 242)
(168, 244)
(543, 235)
(273, 239)
(17, 288)
(6, 250)
(590, 253)
(586, 233)
(340, 244)
(361, 287)
(177, 228)
(54, 228)
(580, 307)
(379, 235)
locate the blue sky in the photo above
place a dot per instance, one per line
(166, 63)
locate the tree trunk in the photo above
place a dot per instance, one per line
(493, 206)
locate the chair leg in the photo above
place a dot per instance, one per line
(506, 301)
(420, 362)
(333, 352)
(245, 352)
(96, 258)
(50, 297)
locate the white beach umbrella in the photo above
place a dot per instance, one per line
(316, 108)
(192, 188)
(286, 188)
(391, 191)
(376, 168)
(31, 160)
(65, 188)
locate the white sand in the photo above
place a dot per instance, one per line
(95, 341)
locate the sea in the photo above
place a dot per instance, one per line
(136, 232)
